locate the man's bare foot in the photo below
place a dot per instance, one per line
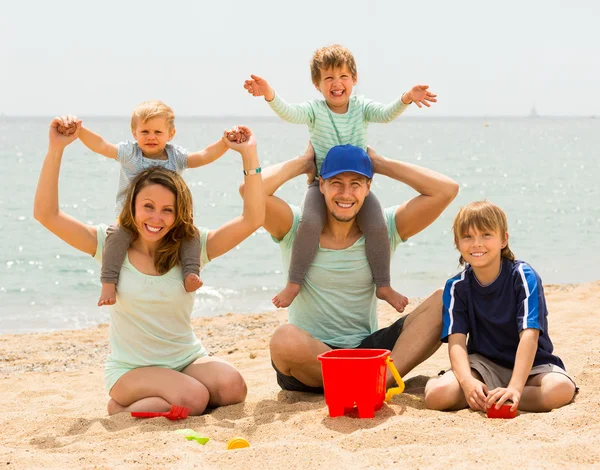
(113, 407)
(108, 294)
(192, 282)
(395, 299)
(286, 296)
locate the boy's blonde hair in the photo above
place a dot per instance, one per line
(167, 254)
(484, 216)
(331, 56)
(151, 109)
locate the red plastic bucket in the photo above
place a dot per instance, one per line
(355, 377)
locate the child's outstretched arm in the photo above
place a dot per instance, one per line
(377, 112)
(528, 344)
(207, 155)
(475, 391)
(97, 144)
(301, 113)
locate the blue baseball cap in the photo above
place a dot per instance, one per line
(343, 158)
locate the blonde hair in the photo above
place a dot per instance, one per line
(167, 255)
(150, 109)
(331, 56)
(484, 216)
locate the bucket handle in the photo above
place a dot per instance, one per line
(394, 390)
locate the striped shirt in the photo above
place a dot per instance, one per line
(328, 129)
(133, 162)
(494, 315)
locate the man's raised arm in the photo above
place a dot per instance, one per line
(279, 216)
(436, 192)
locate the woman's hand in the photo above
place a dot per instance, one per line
(239, 138)
(63, 131)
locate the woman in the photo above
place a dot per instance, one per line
(156, 361)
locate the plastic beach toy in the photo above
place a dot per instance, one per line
(237, 443)
(176, 412)
(192, 435)
(357, 377)
(504, 412)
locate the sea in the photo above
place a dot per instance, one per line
(544, 172)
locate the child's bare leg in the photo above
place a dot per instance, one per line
(377, 244)
(444, 393)
(305, 244)
(189, 255)
(113, 256)
(545, 392)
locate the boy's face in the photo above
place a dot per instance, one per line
(482, 249)
(152, 136)
(345, 194)
(336, 85)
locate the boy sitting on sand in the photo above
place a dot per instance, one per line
(499, 302)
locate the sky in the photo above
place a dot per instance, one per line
(482, 58)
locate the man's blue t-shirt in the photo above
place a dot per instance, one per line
(494, 315)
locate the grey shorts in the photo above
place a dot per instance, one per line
(385, 338)
(495, 376)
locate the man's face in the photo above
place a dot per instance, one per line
(345, 194)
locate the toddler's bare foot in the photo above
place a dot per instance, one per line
(395, 299)
(286, 296)
(108, 295)
(192, 282)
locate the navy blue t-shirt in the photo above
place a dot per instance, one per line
(494, 315)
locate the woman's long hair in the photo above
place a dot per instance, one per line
(167, 255)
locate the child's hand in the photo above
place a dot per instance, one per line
(68, 125)
(500, 395)
(237, 134)
(259, 87)
(239, 137)
(59, 140)
(476, 394)
(420, 95)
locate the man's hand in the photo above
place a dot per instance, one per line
(419, 95)
(500, 395)
(309, 161)
(63, 131)
(257, 86)
(476, 393)
(376, 159)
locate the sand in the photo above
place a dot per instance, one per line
(54, 408)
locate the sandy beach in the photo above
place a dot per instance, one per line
(54, 408)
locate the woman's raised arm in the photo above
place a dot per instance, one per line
(45, 207)
(232, 233)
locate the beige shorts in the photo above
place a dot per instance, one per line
(495, 376)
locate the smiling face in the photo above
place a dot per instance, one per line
(482, 249)
(152, 136)
(336, 84)
(154, 212)
(345, 194)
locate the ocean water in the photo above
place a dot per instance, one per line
(543, 172)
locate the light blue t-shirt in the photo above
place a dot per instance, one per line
(150, 322)
(337, 303)
(133, 162)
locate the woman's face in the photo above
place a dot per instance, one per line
(154, 212)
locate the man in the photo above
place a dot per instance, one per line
(336, 306)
